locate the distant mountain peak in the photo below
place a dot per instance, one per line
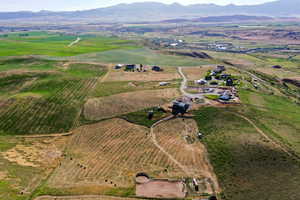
(156, 11)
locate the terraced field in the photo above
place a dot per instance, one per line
(45, 102)
(111, 153)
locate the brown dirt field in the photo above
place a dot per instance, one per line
(196, 73)
(161, 188)
(169, 73)
(106, 107)
(178, 138)
(108, 153)
(84, 197)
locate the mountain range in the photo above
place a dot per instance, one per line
(153, 11)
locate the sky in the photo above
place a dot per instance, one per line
(68, 5)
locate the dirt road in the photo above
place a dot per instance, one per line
(153, 138)
(276, 144)
(74, 42)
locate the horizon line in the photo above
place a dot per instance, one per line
(117, 4)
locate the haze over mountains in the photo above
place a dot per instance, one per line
(152, 11)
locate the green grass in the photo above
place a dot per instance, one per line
(277, 115)
(17, 177)
(141, 117)
(51, 103)
(27, 64)
(144, 56)
(212, 96)
(52, 44)
(247, 166)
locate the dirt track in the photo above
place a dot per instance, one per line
(153, 137)
(276, 144)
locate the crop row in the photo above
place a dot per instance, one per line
(112, 150)
(55, 113)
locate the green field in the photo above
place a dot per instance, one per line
(142, 55)
(54, 44)
(247, 165)
(38, 101)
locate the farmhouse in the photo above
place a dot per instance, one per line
(225, 96)
(159, 188)
(180, 108)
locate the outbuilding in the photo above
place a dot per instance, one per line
(131, 67)
(157, 69)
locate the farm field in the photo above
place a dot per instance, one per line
(49, 101)
(119, 104)
(57, 44)
(169, 74)
(110, 159)
(26, 163)
(144, 55)
(247, 164)
(192, 154)
(72, 126)
(109, 88)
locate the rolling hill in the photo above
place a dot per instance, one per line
(153, 11)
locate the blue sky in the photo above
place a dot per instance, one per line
(36, 5)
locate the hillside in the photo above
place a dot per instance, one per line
(151, 11)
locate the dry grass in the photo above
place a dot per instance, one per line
(25, 163)
(196, 73)
(179, 138)
(36, 153)
(109, 154)
(281, 73)
(106, 107)
(169, 73)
